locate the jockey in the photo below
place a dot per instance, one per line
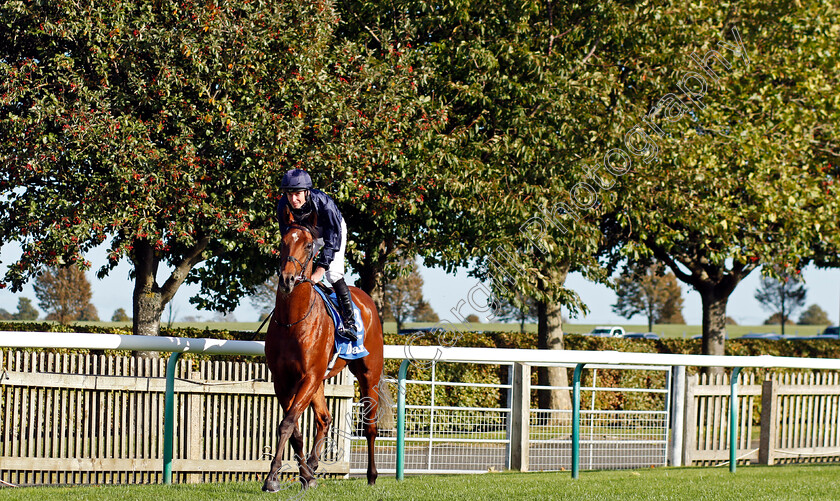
(302, 199)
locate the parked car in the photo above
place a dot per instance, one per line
(830, 333)
(641, 335)
(608, 331)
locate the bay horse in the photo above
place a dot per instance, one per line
(299, 345)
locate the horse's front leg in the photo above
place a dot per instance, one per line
(322, 424)
(288, 430)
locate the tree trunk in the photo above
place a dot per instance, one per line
(147, 307)
(370, 281)
(714, 323)
(149, 299)
(550, 337)
(370, 276)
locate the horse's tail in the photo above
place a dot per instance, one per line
(385, 415)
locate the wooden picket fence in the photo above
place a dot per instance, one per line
(803, 418)
(785, 418)
(71, 418)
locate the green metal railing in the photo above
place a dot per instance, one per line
(576, 379)
(175, 346)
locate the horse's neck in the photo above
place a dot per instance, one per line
(300, 297)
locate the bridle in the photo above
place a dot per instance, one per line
(300, 277)
(303, 265)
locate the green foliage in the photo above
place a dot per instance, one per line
(490, 374)
(781, 296)
(163, 129)
(520, 105)
(649, 291)
(814, 315)
(25, 310)
(746, 178)
(120, 315)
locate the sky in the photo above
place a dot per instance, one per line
(444, 292)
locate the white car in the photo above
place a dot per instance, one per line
(608, 331)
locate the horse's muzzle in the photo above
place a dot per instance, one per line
(287, 283)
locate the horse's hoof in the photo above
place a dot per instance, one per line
(271, 486)
(311, 484)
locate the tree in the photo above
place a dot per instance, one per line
(5, 315)
(120, 316)
(64, 294)
(776, 318)
(671, 310)
(727, 169)
(25, 310)
(89, 314)
(473, 319)
(401, 295)
(508, 310)
(783, 296)
(265, 295)
(520, 106)
(165, 132)
(423, 312)
(399, 200)
(814, 315)
(649, 291)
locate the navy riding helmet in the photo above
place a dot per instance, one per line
(296, 180)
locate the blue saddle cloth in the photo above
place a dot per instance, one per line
(345, 347)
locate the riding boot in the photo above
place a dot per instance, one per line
(348, 318)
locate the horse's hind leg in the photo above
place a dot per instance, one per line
(322, 424)
(370, 399)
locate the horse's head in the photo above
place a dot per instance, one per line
(298, 250)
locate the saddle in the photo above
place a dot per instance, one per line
(344, 347)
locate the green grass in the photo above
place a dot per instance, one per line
(755, 482)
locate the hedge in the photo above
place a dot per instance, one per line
(493, 374)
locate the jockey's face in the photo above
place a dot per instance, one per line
(296, 198)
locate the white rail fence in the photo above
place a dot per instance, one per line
(225, 419)
(96, 418)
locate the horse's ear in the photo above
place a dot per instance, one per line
(288, 218)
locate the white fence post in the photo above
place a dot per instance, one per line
(677, 418)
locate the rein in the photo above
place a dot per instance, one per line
(311, 305)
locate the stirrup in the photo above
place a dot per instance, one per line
(348, 333)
